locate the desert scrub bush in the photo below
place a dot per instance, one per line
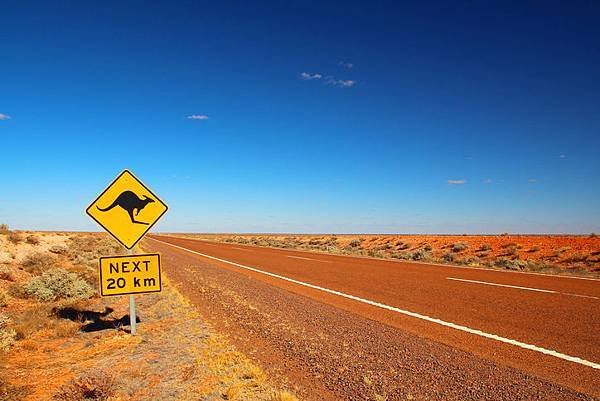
(593, 235)
(421, 254)
(534, 248)
(449, 257)
(355, 243)
(511, 249)
(576, 258)
(32, 239)
(560, 251)
(402, 245)
(4, 229)
(459, 247)
(484, 247)
(58, 284)
(90, 386)
(514, 264)
(427, 247)
(59, 249)
(38, 262)
(14, 237)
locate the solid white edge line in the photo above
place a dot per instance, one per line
(406, 312)
(502, 285)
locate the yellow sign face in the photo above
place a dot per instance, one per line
(127, 209)
(131, 274)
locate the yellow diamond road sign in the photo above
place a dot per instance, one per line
(127, 209)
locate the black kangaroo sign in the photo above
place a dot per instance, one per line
(127, 209)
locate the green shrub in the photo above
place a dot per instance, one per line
(38, 262)
(56, 284)
(449, 257)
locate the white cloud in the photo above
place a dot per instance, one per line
(306, 76)
(457, 182)
(487, 181)
(342, 83)
(346, 64)
(197, 117)
(562, 157)
(532, 180)
(4, 117)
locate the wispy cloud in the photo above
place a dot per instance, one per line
(457, 182)
(532, 180)
(4, 117)
(342, 83)
(197, 117)
(306, 76)
(487, 181)
(346, 64)
(562, 157)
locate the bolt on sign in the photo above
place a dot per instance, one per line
(131, 274)
(127, 209)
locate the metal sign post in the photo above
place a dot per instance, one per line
(132, 317)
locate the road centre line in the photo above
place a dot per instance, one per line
(502, 285)
(520, 288)
(440, 322)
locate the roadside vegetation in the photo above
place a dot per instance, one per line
(59, 340)
(576, 255)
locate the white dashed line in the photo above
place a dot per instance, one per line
(300, 257)
(520, 288)
(502, 285)
(440, 322)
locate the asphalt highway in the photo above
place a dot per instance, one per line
(547, 327)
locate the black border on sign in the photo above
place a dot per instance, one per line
(130, 256)
(106, 189)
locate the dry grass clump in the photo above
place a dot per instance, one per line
(38, 262)
(91, 386)
(32, 240)
(14, 237)
(4, 229)
(58, 284)
(8, 336)
(32, 321)
(6, 274)
(283, 396)
(3, 298)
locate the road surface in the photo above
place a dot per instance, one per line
(358, 328)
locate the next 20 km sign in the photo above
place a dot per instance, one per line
(132, 274)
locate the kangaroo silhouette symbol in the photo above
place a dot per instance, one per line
(131, 203)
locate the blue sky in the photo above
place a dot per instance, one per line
(479, 117)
